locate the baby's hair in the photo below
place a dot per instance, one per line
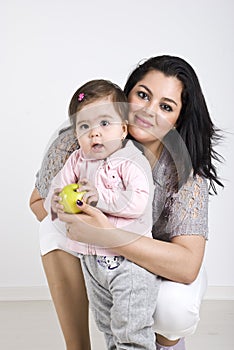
(95, 90)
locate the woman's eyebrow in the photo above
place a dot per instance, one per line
(164, 98)
(169, 100)
(146, 88)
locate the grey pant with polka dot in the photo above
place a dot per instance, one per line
(123, 298)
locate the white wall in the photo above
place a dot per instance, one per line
(49, 48)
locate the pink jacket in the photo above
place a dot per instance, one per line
(125, 187)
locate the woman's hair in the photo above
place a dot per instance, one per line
(194, 126)
(95, 90)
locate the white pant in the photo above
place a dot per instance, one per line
(51, 238)
(178, 305)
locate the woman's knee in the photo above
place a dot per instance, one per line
(177, 312)
(176, 321)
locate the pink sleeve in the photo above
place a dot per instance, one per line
(132, 200)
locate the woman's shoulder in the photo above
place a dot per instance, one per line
(162, 170)
(54, 159)
(195, 181)
(65, 141)
(165, 173)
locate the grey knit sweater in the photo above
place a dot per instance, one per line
(182, 212)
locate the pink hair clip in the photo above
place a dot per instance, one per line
(81, 96)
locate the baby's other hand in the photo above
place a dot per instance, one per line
(55, 205)
(91, 196)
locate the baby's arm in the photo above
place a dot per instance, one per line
(132, 200)
(65, 176)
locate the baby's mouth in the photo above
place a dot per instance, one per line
(97, 147)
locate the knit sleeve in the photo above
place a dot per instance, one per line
(188, 209)
(54, 159)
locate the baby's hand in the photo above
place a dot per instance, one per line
(91, 196)
(55, 206)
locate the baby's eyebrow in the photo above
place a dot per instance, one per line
(105, 116)
(96, 119)
(82, 121)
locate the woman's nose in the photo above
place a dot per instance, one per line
(151, 109)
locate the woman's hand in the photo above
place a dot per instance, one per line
(93, 227)
(86, 227)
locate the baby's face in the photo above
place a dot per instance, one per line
(100, 129)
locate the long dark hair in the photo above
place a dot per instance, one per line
(194, 124)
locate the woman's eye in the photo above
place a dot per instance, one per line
(143, 95)
(166, 107)
(104, 123)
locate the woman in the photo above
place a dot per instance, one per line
(167, 113)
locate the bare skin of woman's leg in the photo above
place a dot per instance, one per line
(67, 288)
(164, 341)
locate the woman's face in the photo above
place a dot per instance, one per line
(155, 105)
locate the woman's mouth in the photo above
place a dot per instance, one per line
(142, 122)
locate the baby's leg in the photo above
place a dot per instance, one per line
(100, 298)
(134, 291)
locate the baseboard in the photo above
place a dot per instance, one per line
(42, 293)
(24, 293)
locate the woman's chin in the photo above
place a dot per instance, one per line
(140, 134)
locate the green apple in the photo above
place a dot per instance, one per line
(69, 195)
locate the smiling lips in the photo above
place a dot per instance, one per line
(142, 122)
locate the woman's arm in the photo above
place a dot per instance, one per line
(178, 260)
(36, 205)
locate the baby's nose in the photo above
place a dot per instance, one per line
(95, 132)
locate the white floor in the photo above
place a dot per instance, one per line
(32, 325)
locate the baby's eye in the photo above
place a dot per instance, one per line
(166, 107)
(104, 123)
(83, 126)
(143, 95)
